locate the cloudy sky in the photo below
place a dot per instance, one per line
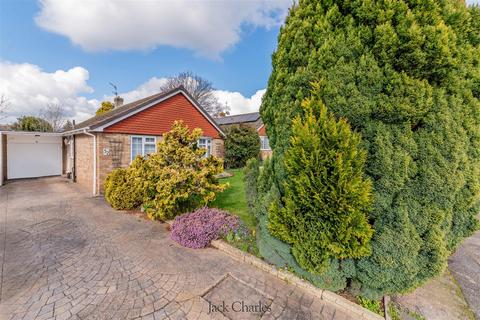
(67, 51)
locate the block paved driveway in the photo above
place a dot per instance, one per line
(66, 255)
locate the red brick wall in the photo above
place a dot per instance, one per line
(158, 119)
(262, 131)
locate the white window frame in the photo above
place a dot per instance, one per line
(262, 143)
(143, 145)
(208, 145)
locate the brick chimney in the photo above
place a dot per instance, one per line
(118, 101)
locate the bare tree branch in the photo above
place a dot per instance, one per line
(4, 104)
(54, 114)
(200, 89)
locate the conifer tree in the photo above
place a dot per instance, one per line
(406, 75)
(327, 197)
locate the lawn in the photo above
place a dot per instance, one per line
(233, 199)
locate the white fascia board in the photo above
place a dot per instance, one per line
(31, 133)
(76, 131)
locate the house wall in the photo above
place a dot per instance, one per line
(265, 154)
(114, 151)
(218, 149)
(64, 157)
(84, 161)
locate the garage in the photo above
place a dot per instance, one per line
(30, 155)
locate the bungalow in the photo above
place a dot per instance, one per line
(252, 120)
(102, 143)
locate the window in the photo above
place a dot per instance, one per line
(207, 144)
(142, 146)
(264, 145)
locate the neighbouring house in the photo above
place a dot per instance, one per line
(102, 143)
(252, 120)
(5, 127)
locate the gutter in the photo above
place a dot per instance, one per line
(75, 131)
(94, 186)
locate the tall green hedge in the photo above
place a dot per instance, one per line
(406, 75)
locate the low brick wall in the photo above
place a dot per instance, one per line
(357, 311)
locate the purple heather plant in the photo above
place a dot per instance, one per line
(197, 229)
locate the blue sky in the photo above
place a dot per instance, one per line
(67, 51)
(234, 51)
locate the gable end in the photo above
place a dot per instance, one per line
(157, 118)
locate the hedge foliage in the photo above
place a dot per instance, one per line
(32, 123)
(406, 75)
(327, 198)
(251, 173)
(174, 180)
(242, 143)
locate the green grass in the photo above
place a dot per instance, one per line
(233, 199)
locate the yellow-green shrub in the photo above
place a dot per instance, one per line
(178, 176)
(120, 190)
(174, 180)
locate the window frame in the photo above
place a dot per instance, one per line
(143, 145)
(262, 143)
(208, 146)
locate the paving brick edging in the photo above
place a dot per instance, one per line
(358, 311)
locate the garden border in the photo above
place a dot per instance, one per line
(326, 295)
(289, 277)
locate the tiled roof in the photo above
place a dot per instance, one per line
(118, 111)
(238, 118)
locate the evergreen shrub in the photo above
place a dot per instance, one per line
(242, 143)
(326, 198)
(176, 179)
(406, 76)
(120, 190)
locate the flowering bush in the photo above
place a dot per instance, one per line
(197, 229)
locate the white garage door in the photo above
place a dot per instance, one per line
(30, 156)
